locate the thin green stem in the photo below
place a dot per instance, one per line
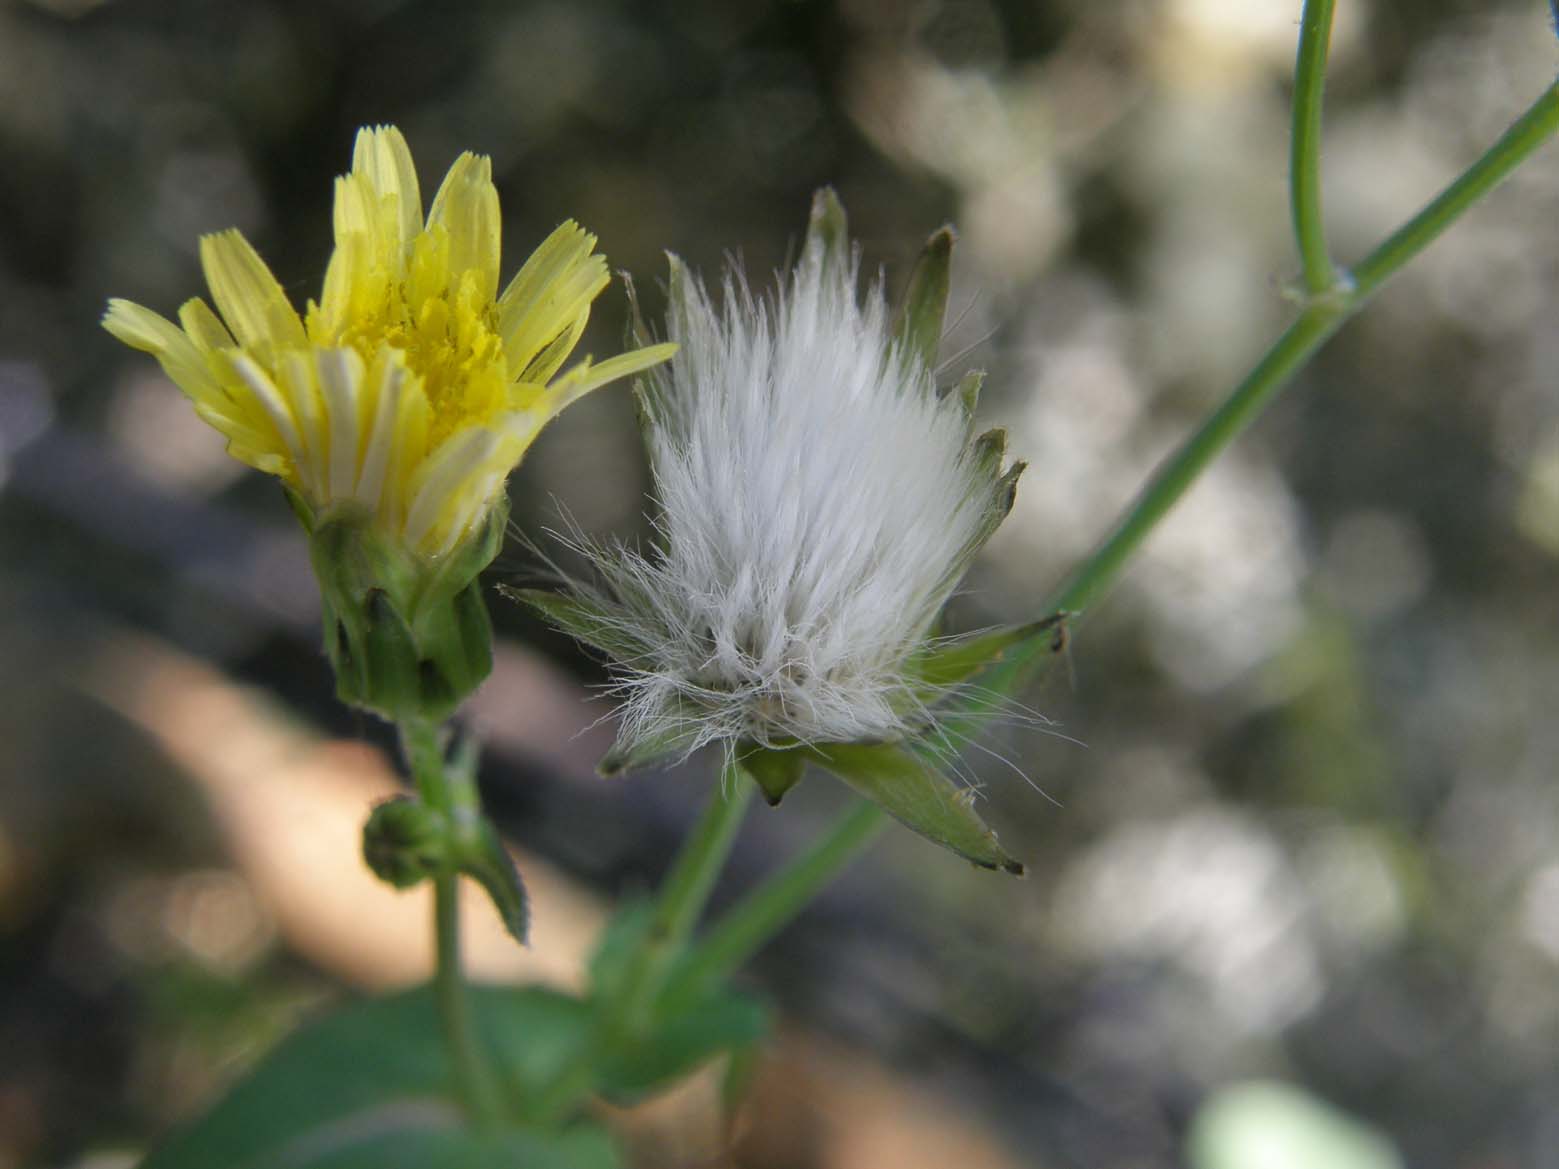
(747, 926)
(686, 889)
(1304, 172)
(693, 875)
(1517, 144)
(420, 742)
(474, 1079)
(681, 901)
(1294, 349)
(1182, 468)
(477, 1087)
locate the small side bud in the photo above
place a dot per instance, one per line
(405, 842)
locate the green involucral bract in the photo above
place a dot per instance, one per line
(408, 634)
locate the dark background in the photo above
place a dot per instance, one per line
(1295, 818)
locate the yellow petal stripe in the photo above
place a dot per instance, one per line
(411, 387)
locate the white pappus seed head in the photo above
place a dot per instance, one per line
(819, 501)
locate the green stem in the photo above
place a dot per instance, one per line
(1295, 347)
(747, 926)
(687, 887)
(682, 898)
(1528, 133)
(1173, 477)
(1304, 172)
(444, 793)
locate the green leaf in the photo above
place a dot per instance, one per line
(919, 324)
(370, 1086)
(913, 792)
(775, 772)
(673, 1047)
(620, 945)
(536, 1032)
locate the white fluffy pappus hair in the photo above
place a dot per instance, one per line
(819, 501)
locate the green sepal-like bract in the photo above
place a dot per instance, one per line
(408, 635)
(582, 617)
(674, 740)
(968, 391)
(775, 771)
(919, 324)
(827, 227)
(946, 663)
(899, 780)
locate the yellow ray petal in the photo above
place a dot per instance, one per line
(383, 432)
(438, 481)
(350, 289)
(548, 295)
(247, 295)
(274, 404)
(153, 333)
(587, 376)
(340, 373)
(552, 355)
(382, 159)
(203, 326)
(296, 377)
(467, 207)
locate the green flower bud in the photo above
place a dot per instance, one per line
(408, 634)
(405, 842)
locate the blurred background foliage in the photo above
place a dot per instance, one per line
(1294, 820)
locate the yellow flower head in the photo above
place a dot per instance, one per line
(412, 387)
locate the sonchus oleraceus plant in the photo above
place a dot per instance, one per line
(820, 498)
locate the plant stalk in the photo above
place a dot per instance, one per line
(686, 889)
(747, 926)
(475, 1082)
(1321, 318)
(1304, 172)
(681, 901)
